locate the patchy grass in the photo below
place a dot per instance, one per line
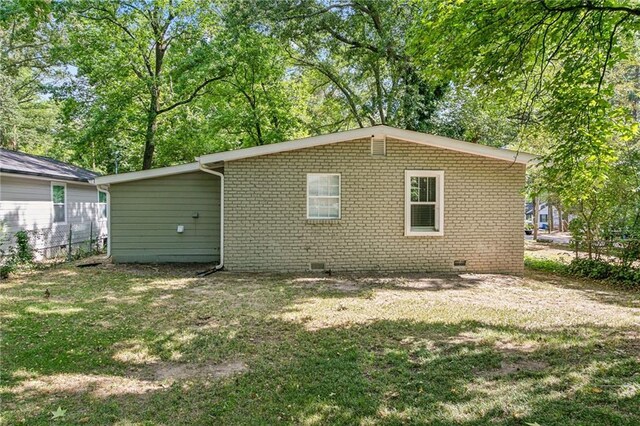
(154, 345)
(546, 264)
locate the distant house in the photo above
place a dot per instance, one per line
(369, 199)
(49, 198)
(544, 215)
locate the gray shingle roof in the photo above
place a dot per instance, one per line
(34, 165)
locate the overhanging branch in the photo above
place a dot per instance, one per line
(193, 95)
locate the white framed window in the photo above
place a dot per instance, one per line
(103, 211)
(59, 202)
(424, 203)
(323, 196)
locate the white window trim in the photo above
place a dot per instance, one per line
(439, 175)
(106, 204)
(326, 196)
(66, 207)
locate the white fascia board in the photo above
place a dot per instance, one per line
(275, 148)
(461, 146)
(147, 174)
(367, 132)
(54, 179)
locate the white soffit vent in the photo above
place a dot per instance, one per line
(379, 146)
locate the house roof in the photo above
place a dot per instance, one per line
(367, 132)
(220, 158)
(20, 163)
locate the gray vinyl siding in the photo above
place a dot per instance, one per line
(145, 215)
(26, 204)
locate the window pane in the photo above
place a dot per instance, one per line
(423, 217)
(334, 189)
(324, 208)
(102, 197)
(431, 183)
(58, 213)
(313, 210)
(103, 210)
(58, 194)
(423, 189)
(415, 189)
(313, 185)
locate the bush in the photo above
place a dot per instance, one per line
(24, 251)
(601, 270)
(21, 254)
(588, 268)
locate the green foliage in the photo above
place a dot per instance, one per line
(27, 121)
(24, 251)
(356, 52)
(546, 265)
(570, 72)
(602, 270)
(596, 269)
(20, 254)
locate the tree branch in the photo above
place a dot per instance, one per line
(589, 6)
(609, 48)
(193, 95)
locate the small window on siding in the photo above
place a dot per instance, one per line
(102, 205)
(424, 199)
(378, 147)
(323, 196)
(59, 201)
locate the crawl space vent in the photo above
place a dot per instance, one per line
(378, 147)
(459, 264)
(316, 266)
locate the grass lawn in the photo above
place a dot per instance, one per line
(154, 345)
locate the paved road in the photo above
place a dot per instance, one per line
(555, 238)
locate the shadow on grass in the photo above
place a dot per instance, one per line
(385, 352)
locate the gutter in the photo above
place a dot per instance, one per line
(105, 188)
(220, 265)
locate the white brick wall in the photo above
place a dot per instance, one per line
(265, 212)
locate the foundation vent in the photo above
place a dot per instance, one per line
(317, 266)
(378, 147)
(460, 265)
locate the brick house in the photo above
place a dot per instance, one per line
(370, 199)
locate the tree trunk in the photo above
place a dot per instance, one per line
(550, 217)
(152, 127)
(536, 217)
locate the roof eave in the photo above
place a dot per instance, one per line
(44, 176)
(147, 174)
(376, 131)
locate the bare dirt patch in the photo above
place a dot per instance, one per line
(526, 347)
(100, 386)
(507, 368)
(327, 283)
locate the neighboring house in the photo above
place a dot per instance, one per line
(49, 197)
(370, 199)
(543, 218)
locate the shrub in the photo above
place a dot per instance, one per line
(601, 270)
(24, 251)
(21, 254)
(588, 268)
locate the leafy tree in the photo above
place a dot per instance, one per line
(358, 49)
(142, 61)
(28, 121)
